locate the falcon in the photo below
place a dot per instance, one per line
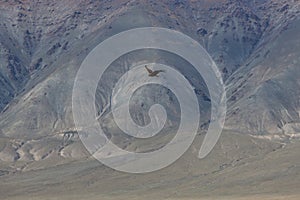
(153, 73)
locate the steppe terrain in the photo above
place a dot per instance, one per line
(256, 46)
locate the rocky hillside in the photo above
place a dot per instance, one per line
(254, 43)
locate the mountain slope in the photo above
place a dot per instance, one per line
(234, 37)
(254, 44)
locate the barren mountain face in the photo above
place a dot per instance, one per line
(255, 44)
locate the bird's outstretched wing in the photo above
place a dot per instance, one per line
(149, 70)
(160, 71)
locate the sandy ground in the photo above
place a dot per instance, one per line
(239, 168)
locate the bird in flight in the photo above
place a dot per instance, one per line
(153, 73)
